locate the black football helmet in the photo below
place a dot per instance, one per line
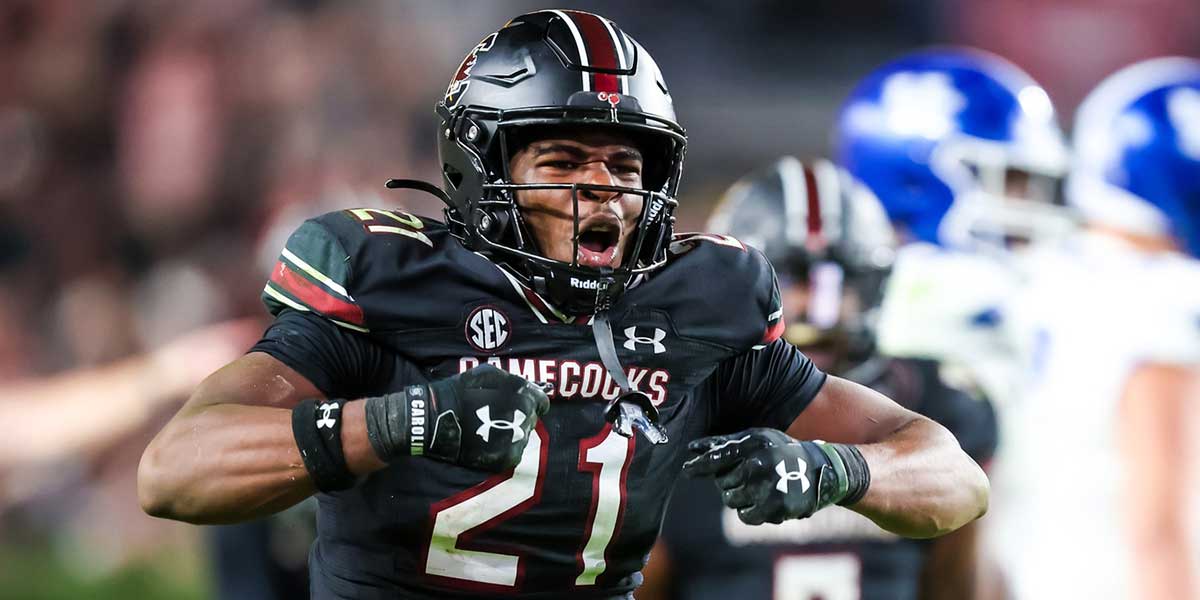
(556, 68)
(820, 228)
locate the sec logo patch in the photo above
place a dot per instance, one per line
(488, 329)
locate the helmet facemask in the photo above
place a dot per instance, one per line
(1003, 198)
(495, 225)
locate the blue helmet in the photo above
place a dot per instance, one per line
(960, 146)
(1137, 151)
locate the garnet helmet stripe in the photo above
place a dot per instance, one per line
(601, 51)
(815, 233)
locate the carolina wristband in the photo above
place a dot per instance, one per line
(318, 432)
(398, 423)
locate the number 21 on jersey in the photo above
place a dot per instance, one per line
(606, 455)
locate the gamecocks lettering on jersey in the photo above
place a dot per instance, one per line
(572, 380)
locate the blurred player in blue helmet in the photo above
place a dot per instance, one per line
(1109, 323)
(963, 150)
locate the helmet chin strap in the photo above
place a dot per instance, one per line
(631, 409)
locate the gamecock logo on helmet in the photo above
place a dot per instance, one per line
(461, 80)
(612, 99)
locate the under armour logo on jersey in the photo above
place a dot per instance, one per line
(327, 419)
(785, 476)
(634, 339)
(485, 430)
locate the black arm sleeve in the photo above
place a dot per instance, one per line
(341, 363)
(764, 388)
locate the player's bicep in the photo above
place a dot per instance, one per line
(339, 362)
(846, 412)
(255, 379)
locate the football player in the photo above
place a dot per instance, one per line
(832, 245)
(501, 403)
(1110, 322)
(964, 151)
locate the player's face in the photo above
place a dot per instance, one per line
(808, 313)
(607, 220)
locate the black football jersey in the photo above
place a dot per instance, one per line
(836, 554)
(368, 300)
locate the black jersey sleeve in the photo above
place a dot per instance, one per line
(769, 387)
(340, 362)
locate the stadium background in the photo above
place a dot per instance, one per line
(154, 154)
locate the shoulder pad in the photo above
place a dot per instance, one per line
(751, 316)
(334, 258)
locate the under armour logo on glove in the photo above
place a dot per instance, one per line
(751, 468)
(485, 430)
(785, 476)
(327, 419)
(634, 339)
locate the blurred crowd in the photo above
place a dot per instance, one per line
(155, 154)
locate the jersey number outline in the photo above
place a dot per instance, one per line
(396, 222)
(458, 518)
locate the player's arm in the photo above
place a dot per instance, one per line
(900, 469)
(131, 391)
(949, 572)
(252, 440)
(1156, 432)
(656, 575)
(230, 454)
(922, 484)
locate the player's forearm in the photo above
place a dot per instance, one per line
(228, 463)
(922, 483)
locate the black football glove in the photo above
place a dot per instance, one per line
(480, 418)
(768, 476)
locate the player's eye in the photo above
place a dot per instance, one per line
(565, 165)
(626, 169)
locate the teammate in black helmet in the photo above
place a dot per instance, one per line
(831, 243)
(500, 404)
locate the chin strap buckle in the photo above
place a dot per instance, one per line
(632, 409)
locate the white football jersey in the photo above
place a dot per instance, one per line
(952, 307)
(1091, 310)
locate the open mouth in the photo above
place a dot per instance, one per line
(598, 243)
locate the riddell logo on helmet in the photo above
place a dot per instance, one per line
(584, 284)
(612, 99)
(652, 212)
